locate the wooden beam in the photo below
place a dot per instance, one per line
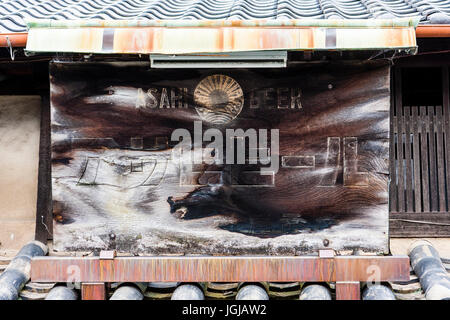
(219, 269)
(365, 268)
(93, 291)
(419, 224)
(44, 221)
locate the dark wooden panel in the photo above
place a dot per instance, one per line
(120, 181)
(20, 77)
(425, 60)
(44, 221)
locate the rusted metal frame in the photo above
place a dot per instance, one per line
(433, 31)
(156, 40)
(13, 39)
(424, 31)
(219, 269)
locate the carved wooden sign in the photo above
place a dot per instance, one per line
(259, 161)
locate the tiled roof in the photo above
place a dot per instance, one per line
(13, 12)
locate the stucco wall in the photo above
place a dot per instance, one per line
(19, 158)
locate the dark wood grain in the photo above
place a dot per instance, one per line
(413, 224)
(416, 156)
(432, 156)
(400, 143)
(440, 154)
(424, 159)
(44, 221)
(408, 159)
(446, 111)
(238, 269)
(393, 205)
(118, 184)
(427, 129)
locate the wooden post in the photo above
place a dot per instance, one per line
(348, 290)
(400, 129)
(44, 218)
(446, 110)
(392, 162)
(93, 291)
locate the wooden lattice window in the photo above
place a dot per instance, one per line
(419, 153)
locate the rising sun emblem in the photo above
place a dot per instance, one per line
(219, 99)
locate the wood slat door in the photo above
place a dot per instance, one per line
(419, 166)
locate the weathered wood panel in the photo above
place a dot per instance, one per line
(120, 181)
(419, 160)
(446, 125)
(413, 224)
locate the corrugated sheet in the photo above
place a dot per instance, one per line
(14, 12)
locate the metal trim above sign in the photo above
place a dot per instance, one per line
(219, 36)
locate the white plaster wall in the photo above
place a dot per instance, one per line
(19, 158)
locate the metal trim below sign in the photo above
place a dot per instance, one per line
(257, 59)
